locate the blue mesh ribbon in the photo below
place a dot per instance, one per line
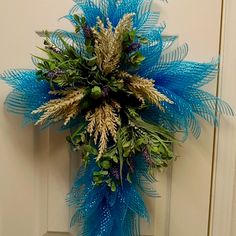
(102, 212)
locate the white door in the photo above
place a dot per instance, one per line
(36, 167)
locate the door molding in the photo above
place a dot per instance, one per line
(52, 183)
(225, 148)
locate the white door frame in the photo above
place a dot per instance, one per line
(223, 182)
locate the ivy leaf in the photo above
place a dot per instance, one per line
(127, 152)
(128, 178)
(100, 173)
(106, 165)
(127, 144)
(113, 187)
(115, 159)
(120, 152)
(77, 18)
(132, 35)
(137, 58)
(90, 149)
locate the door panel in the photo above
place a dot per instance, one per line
(37, 167)
(198, 24)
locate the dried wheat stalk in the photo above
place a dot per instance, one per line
(144, 89)
(108, 44)
(64, 108)
(102, 123)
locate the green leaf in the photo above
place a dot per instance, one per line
(100, 173)
(90, 149)
(106, 165)
(139, 142)
(71, 52)
(104, 172)
(137, 58)
(91, 61)
(120, 152)
(77, 29)
(132, 35)
(77, 18)
(127, 144)
(115, 159)
(113, 187)
(155, 149)
(128, 178)
(80, 129)
(90, 49)
(126, 152)
(53, 55)
(83, 20)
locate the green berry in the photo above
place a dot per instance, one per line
(96, 92)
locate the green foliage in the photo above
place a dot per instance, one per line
(96, 92)
(80, 20)
(136, 59)
(129, 38)
(132, 41)
(78, 137)
(137, 137)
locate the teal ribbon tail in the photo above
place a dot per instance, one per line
(27, 94)
(103, 212)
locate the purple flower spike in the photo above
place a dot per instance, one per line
(105, 91)
(133, 47)
(115, 173)
(147, 156)
(87, 31)
(54, 74)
